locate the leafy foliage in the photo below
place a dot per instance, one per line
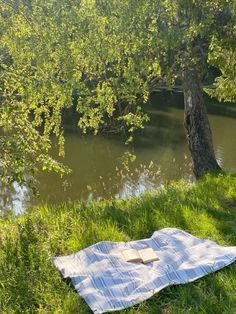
(110, 53)
(223, 56)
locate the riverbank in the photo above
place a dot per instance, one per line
(29, 283)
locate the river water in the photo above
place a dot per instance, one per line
(160, 149)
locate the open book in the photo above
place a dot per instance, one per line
(146, 255)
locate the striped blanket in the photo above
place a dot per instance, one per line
(108, 283)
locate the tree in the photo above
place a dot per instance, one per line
(31, 101)
(109, 53)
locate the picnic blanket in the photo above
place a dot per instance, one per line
(108, 283)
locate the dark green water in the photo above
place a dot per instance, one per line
(161, 151)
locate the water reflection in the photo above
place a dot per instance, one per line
(13, 199)
(161, 151)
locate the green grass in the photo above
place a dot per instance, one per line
(29, 282)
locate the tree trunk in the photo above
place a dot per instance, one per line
(197, 126)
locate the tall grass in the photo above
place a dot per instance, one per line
(29, 282)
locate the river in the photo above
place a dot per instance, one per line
(160, 149)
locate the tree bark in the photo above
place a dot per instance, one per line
(197, 125)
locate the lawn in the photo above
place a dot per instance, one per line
(30, 283)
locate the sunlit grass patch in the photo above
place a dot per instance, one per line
(29, 282)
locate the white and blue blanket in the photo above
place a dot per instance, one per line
(108, 283)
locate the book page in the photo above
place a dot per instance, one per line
(148, 255)
(131, 255)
